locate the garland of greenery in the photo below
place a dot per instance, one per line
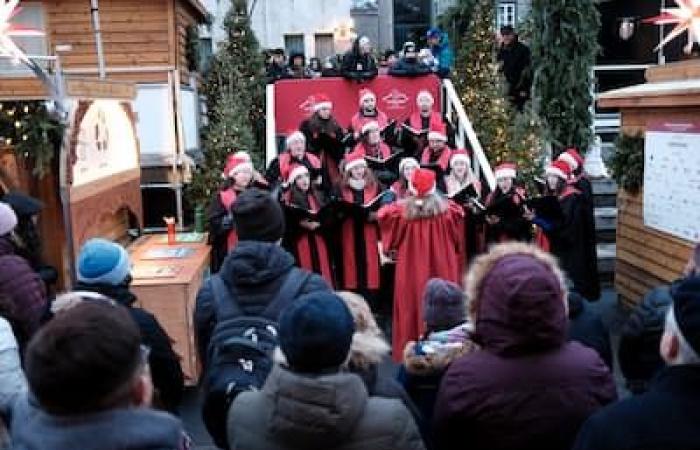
(627, 164)
(30, 129)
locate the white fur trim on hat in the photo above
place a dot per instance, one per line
(296, 136)
(505, 172)
(8, 219)
(436, 136)
(367, 94)
(567, 158)
(424, 94)
(321, 105)
(356, 163)
(242, 155)
(370, 126)
(296, 172)
(459, 157)
(239, 167)
(406, 161)
(556, 172)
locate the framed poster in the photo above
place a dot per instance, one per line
(672, 179)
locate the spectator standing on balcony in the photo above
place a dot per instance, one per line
(359, 64)
(515, 60)
(297, 67)
(277, 69)
(442, 52)
(409, 65)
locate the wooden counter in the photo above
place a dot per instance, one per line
(171, 295)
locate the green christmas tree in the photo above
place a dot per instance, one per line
(504, 133)
(235, 91)
(564, 48)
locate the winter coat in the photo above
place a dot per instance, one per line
(168, 379)
(23, 285)
(358, 67)
(118, 429)
(527, 388)
(515, 65)
(640, 336)
(409, 68)
(586, 327)
(12, 381)
(665, 417)
(442, 52)
(256, 270)
(333, 411)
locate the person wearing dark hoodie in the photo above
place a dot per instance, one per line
(527, 387)
(18, 280)
(255, 269)
(90, 387)
(439, 43)
(358, 63)
(310, 403)
(104, 267)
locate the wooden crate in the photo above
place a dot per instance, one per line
(172, 300)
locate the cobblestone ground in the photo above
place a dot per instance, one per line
(190, 411)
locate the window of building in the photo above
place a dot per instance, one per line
(31, 15)
(294, 43)
(411, 21)
(325, 46)
(506, 15)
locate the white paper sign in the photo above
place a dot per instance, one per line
(672, 179)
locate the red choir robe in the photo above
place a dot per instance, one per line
(443, 160)
(474, 236)
(309, 247)
(358, 243)
(311, 161)
(425, 248)
(400, 189)
(359, 120)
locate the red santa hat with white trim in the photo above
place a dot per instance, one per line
(438, 132)
(322, 101)
(505, 170)
(559, 169)
(354, 159)
(422, 183)
(424, 94)
(294, 136)
(460, 155)
(366, 93)
(407, 161)
(235, 164)
(294, 171)
(243, 155)
(370, 126)
(573, 158)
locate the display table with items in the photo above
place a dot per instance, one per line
(166, 278)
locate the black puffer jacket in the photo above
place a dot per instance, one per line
(256, 270)
(166, 372)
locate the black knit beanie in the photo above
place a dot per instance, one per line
(258, 217)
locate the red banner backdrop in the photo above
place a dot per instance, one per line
(396, 97)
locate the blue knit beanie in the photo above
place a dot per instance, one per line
(103, 262)
(315, 332)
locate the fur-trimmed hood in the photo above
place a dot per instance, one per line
(517, 300)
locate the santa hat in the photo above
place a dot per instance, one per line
(572, 157)
(366, 93)
(422, 183)
(505, 170)
(354, 159)
(235, 164)
(407, 161)
(559, 169)
(242, 155)
(437, 133)
(294, 171)
(460, 155)
(372, 125)
(322, 101)
(294, 136)
(424, 95)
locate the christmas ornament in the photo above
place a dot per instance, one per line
(686, 17)
(8, 10)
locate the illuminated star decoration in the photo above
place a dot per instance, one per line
(686, 17)
(8, 10)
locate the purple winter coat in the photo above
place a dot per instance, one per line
(22, 284)
(527, 388)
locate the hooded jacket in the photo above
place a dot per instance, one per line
(118, 429)
(443, 54)
(327, 412)
(166, 372)
(256, 270)
(527, 387)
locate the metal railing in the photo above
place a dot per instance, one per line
(464, 132)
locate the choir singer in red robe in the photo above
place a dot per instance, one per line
(424, 234)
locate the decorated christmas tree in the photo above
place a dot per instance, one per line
(235, 91)
(564, 48)
(505, 134)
